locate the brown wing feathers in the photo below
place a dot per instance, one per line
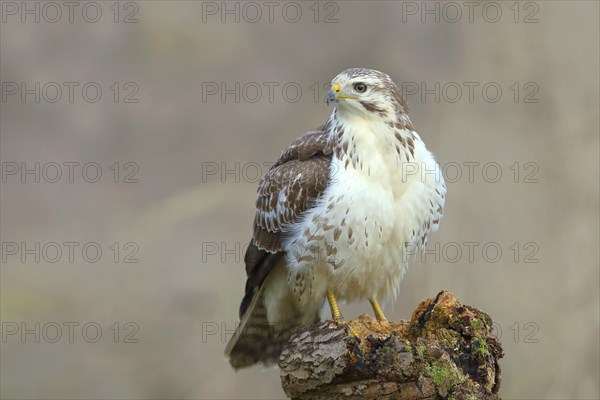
(291, 186)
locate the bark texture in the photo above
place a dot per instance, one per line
(446, 351)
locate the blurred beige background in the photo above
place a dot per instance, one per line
(188, 226)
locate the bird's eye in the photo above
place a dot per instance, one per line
(360, 87)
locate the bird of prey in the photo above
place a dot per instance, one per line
(337, 216)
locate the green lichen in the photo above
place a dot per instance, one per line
(388, 353)
(452, 319)
(441, 370)
(444, 373)
(448, 337)
(480, 347)
(480, 327)
(421, 351)
(407, 346)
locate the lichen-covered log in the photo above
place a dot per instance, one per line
(446, 351)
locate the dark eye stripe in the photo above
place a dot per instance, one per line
(372, 107)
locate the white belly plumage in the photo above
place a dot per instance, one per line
(357, 240)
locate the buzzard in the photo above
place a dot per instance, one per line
(337, 216)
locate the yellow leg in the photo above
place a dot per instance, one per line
(335, 311)
(378, 313)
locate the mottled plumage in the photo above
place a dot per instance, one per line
(337, 214)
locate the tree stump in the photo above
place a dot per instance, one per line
(446, 351)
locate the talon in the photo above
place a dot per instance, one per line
(352, 331)
(378, 312)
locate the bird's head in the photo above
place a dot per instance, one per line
(366, 93)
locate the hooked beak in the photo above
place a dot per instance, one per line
(335, 94)
(330, 97)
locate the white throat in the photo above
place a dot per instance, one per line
(369, 144)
